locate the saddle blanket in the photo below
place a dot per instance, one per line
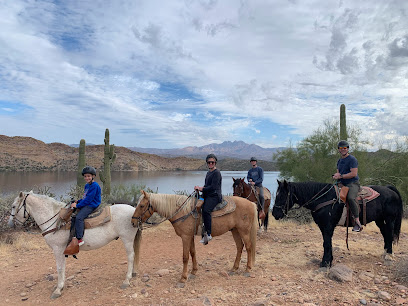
(226, 206)
(98, 217)
(366, 193)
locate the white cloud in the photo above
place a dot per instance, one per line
(163, 74)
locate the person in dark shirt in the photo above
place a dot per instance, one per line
(347, 173)
(211, 193)
(90, 201)
(255, 178)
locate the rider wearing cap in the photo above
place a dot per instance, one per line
(255, 178)
(90, 201)
(347, 173)
(211, 193)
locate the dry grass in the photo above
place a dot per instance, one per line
(18, 242)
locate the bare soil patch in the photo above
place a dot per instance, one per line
(285, 273)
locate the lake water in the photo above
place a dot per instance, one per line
(164, 182)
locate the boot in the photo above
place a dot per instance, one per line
(72, 248)
(357, 225)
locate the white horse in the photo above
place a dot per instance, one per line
(44, 210)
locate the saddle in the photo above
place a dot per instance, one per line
(98, 217)
(365, 195)
(225, 207)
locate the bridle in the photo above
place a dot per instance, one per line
(147, 210)
(241, 189)
(27, 214)
(150, 207)
(318, 195)
(24, 205)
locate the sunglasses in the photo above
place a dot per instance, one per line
(210, 162)
(340, 148)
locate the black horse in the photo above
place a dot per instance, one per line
(386, 211)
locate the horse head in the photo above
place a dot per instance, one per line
(19, 210)
(143, 211)
(238, 187)
(283, 200)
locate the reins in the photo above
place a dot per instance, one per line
(45, 231)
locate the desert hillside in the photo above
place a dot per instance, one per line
(29, 154)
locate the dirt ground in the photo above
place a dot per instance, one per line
(285, 273)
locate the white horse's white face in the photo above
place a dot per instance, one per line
(18, 210)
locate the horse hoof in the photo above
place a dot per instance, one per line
(230, 273)
(55, 295)
(124, 286)
(180, 285)
(388, 257)
(134, 274)
(191, 276)
(247, 274)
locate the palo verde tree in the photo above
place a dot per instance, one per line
(315, 157)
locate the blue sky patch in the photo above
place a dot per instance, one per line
(11, 108)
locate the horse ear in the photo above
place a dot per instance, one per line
(233, 179)
(285, 183)
(21, 195)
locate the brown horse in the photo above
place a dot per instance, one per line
(244, 190)
(181, 211)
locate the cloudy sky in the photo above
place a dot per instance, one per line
(169, 74)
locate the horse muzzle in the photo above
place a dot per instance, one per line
(10, 222)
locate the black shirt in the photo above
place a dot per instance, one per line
(212, 185)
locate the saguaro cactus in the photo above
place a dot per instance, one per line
(109, 157)
(81, 163)
(343, 126)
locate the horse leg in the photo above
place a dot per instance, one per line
(381, 226)
(240, 245)
(193, 257)
(388, 237)
(130, 259)
(60, 261)
(327, 233)
(186, 253)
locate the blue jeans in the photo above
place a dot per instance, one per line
(79, 220)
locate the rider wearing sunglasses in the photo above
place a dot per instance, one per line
(211, 193)
(347, 173)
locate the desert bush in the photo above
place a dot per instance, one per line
(5, 209)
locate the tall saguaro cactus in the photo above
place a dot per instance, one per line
(343, 126)
(81, 163)
(109, 157)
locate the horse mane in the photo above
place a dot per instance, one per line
(44, 197)
(167, 204)
(307, 189)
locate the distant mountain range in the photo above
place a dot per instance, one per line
(227, 149)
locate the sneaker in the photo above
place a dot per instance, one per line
(80, 242)
(209, 237)
(357, 228)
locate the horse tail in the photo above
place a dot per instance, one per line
(398, 219)
(254, 230)
(136, 249)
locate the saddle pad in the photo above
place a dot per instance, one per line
(367, 194)
(267, 193)
(228, 208)
(96, 218)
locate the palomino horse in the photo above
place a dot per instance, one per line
(244, 190)
(180, 210)
(386, 211)
(44, 210)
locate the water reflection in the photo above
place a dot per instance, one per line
(164, 182)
